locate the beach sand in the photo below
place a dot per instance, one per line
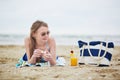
(9, 55)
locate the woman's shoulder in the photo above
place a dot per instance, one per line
(27, 40)
(51, 39)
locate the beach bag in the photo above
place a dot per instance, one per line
(97, 53)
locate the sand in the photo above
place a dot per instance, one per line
(9, 55)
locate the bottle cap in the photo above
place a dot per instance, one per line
(72, 51)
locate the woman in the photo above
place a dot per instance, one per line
(39, 46)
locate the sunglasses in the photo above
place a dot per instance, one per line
(45, 33)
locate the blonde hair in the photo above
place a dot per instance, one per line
(35, 26)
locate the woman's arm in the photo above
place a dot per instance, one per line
(31, 59)
(52, 45)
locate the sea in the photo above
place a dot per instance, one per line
(18, 39)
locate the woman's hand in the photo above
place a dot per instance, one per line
(37, 53)
(47, 56)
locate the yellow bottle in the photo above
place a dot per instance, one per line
(73, 58)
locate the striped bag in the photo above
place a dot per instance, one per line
(97, 53)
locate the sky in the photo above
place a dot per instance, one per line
(64, 17)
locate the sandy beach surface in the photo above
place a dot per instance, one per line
(9, 55)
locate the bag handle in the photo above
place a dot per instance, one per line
(99, 58)
(99, 50)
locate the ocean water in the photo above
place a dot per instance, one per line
(15, 39)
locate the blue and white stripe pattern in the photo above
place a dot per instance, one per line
(96, 52)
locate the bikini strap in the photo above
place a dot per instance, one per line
(47, 46)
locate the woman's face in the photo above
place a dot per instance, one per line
(42, 34)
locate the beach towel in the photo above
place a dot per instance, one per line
(23, 61)
(97, 53)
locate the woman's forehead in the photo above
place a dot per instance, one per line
(42, 29)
